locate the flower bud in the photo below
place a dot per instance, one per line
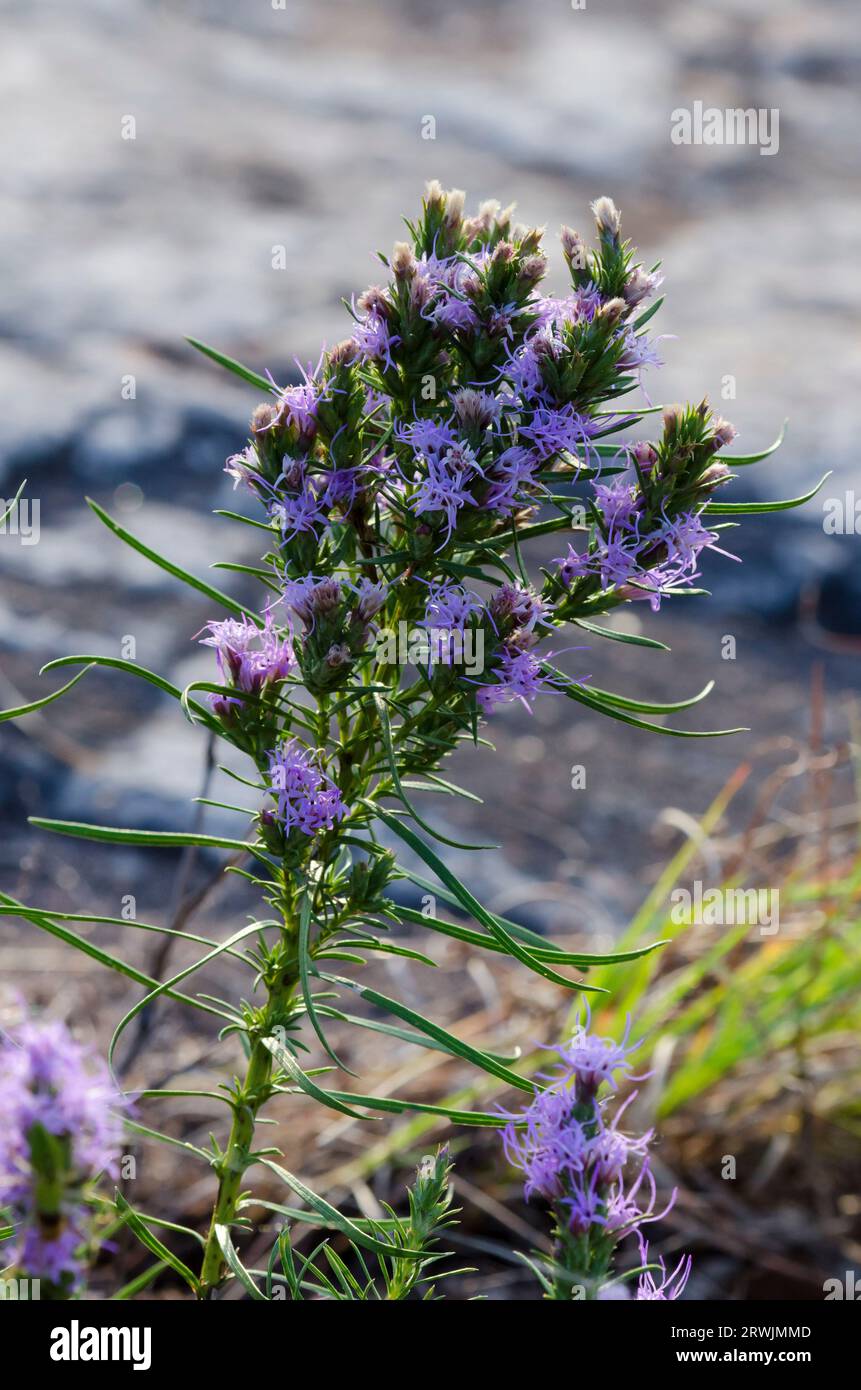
(263, 418)
(532, 270)
(337, 656)
(723, 433)
(607, 218)
(403, 261)
(613, 311)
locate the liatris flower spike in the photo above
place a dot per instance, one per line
(61, 1131)
(399, 487)
(593, 1175)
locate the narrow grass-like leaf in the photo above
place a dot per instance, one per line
(45, 700)
(245, 373)
(224, 600)
(754, 508)
(333, 1217)
(235, 1265)
(153, 1244)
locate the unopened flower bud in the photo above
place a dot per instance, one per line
(343, 353)
(474, 409)
(373, 301)
(263, 418)
(639, 285)
(532, 270)
(723, 433)
(403, 261)
(613, 311)
(607, 218)
(503, 252)
(326, 597)
(434, 194)
(574, 249)
(644, 454)
(454, 201)
(713, 477)
(337, 656)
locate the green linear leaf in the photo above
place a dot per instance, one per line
(289, 1064)
(752, 508)
(133, 669)
(246, 374)
(738, 460)
(393, 768)
(481, 1118)
(578, 693)
(13, 504)
(644, 706)
(155, 839)
(305, 970)
(45, 700)
(80, 943)
(483, 1060)
(175, 979)
(170, 568)
(633, 638)
(153, 1244)
(335, 1218)
(235, 1265)
(473, 906)
(548, 952)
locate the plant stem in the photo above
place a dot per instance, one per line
(232, 1167)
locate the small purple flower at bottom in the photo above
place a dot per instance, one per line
(671, 1286)
(307, 799)
(51, 1086)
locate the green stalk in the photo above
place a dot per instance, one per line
(235, 1161)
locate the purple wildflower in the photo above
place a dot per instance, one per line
(589, 1061)
(671, 1286)
(251, 656)
(49, 1082)
(519, 677)
(307, 799)
(310, 598)
(573, 566)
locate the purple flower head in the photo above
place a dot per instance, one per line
(523, 606)
(370, 598)
(556, 429)
(298, 407)
(507, 476)
(619, 503)
(450, 606)
(310, 598)
(519, 676)
(444, 490)
(307, 799)
(251, 656)
(573, 566)
(305, 512)
(242, 468)
(671, 1285)
(53, 1084)
(589, 1061)
(626, 1208)
(550, 1144)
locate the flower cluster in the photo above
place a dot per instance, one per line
(306, 798)
(596, 1177)
(61, 1129)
